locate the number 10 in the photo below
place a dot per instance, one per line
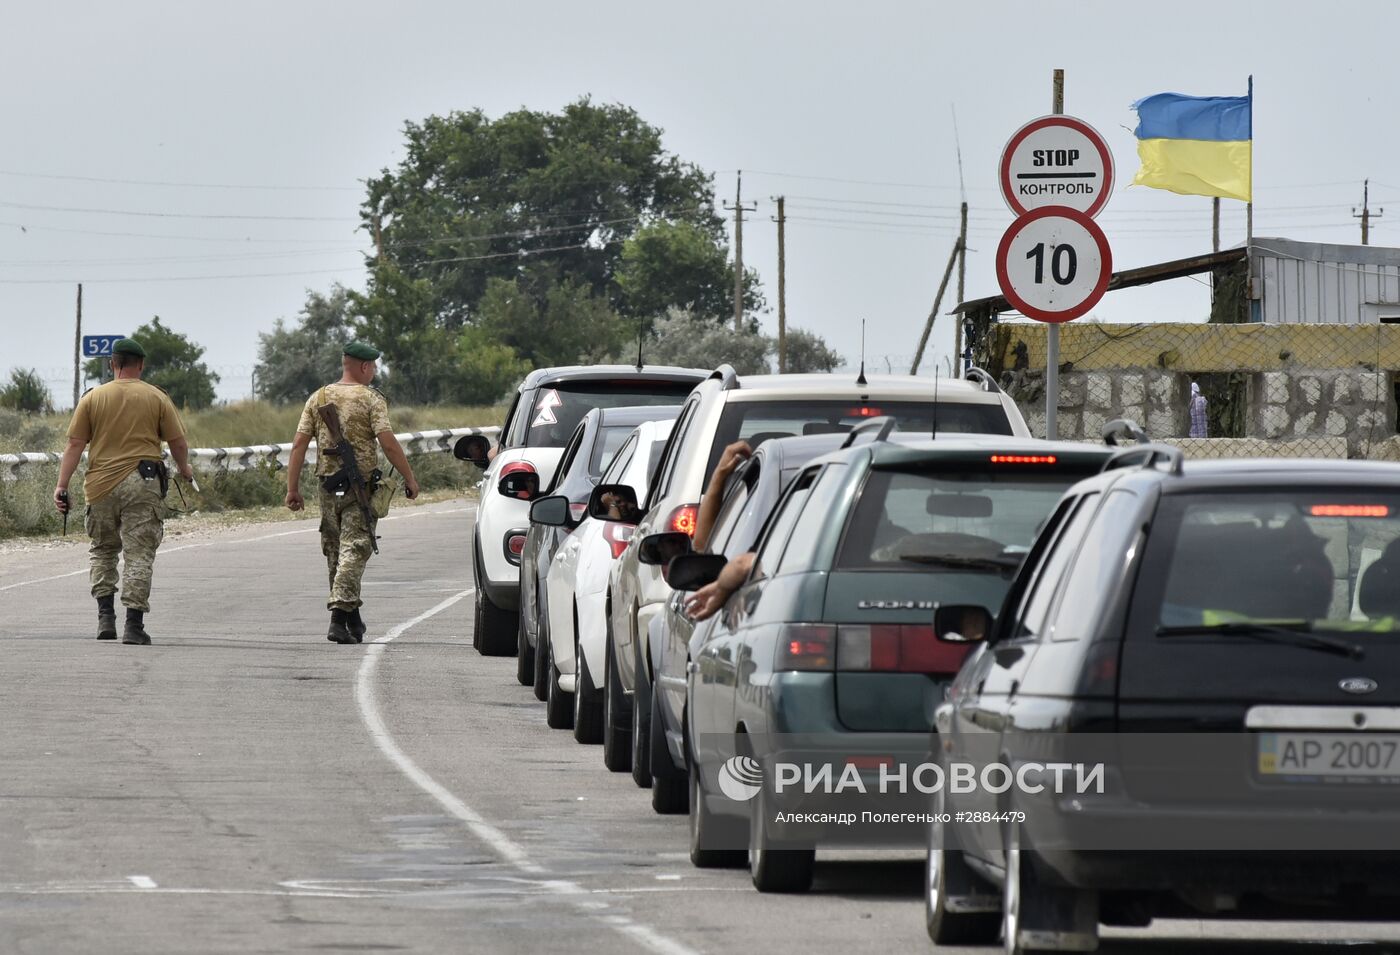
(1070, 263)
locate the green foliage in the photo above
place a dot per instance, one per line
(398, 315)
(295, 361)
(172, 363)
(682, 339)
(560, 324)
(679, 265)
(26, 391)
(807, 352)
(486, 368)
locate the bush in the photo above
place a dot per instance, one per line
(26, 392)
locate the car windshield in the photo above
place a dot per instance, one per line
(1307, 560)
(555, 410)
(950, 522)
(757, 421)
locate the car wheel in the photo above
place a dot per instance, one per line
(542, 656)
(558, 706)
(775, 866)
(588, 703)
(617, 720)
(524, 653)
(1042, 918)
(476, 618)
(641, 726)
(670, 788)
(494, 635)
(708, 832)
(960, 907)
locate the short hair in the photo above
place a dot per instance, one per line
(124, 359)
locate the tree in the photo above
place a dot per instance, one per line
(807, 352)
(26, 391)
(172, 363)
(397, 314)
(551, 325)
(486, 369)
(682, 339)
(293, 362)
(679, 265)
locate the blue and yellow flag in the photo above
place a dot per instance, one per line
(1196, 145)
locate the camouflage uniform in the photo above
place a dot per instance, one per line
(345, 538)
(127, 521)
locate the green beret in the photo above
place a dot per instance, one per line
(362, 351)
(128, 346)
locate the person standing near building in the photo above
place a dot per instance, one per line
(346, 536)
(1199, 427)
(123, 423)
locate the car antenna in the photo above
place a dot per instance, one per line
(641, 334)
(860, 379)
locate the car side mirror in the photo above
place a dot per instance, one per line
(552, 510)
(659, 549)
(474, 449)
(522, 485)
(962, 623)
(614, 502)
(693, 571)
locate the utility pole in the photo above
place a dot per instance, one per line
(378, 240)
(782, 288)
(1366, 215)
(1052, 334)
(739, 211)
(78, 346)
(962, 274)
(933, 312)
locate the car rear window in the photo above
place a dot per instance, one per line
(757, 421)
(605, 445)
(977, 522)
(1327, 560)
(555, 410)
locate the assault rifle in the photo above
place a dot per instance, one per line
(348, 478)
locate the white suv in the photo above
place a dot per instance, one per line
(727, 408)
(547, 406)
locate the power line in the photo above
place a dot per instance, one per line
(174, 215)
(181, 185)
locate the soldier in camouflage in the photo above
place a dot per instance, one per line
(122, 424)
(345, 536)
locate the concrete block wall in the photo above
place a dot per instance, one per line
(1357, 405)
(1155, 399)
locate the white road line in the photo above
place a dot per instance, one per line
(507, 848)
(142, 881)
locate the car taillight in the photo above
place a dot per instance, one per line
(578, 511)
(865, 411)
(514, 546)
(683, 519)
(806, 646)
(896, 648)
(1024, 459)
(617, 536)
(1350, 510)
(514, 466)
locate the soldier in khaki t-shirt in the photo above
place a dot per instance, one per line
(345, 537)
(122, 424)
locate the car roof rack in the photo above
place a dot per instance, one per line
(985, 377)
(1147, 456)
(882, 427)
(728, 377)
(1119, 428)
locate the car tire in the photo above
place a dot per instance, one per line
(670, 788)
(541, 680)
(617, 719)
(524, 653)
(774, 866)
(588, 702)
(641, 726)
(476, 599)
(558, 704)
(1037, 917)
(960, 907)
(706, 829)
(493, 636)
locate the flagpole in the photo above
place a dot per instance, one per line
(1249, 217)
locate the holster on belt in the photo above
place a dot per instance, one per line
(155, 470)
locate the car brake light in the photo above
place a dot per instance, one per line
(617, 535)
(1024, 459)
(514, 466)
(806, 646)
(683, 519)
(1350, 510)
(865, 411)
(896, 648)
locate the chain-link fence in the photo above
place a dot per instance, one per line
(1293, 390)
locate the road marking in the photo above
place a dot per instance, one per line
(142, 881)
(504, 846)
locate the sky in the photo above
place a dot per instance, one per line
(205, 162)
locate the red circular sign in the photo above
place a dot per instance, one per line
(1054, 264)
(1057, 161)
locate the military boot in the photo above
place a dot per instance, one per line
(135, 630)
(106, 618)
(356, 625)
(338, 632)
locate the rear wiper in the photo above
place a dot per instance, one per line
(1300, 635)
(969, 563)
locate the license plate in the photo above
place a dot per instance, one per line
(1363, 757)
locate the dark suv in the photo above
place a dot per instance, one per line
(1218, 644)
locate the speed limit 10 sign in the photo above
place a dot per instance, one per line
(1053, 264)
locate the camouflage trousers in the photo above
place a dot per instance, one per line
(345, 541)
(126, 523)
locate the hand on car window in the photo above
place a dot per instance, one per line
(734, 455)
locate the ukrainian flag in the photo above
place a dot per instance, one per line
(1196, 145)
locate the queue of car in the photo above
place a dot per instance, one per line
(875, 562)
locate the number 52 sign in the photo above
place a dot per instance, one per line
(1054, 264)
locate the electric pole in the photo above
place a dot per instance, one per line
(962, 274)
(78, 345)
(1366, 215)
(782, 288)
(739, 211)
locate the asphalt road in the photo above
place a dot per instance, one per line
(245, 786)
